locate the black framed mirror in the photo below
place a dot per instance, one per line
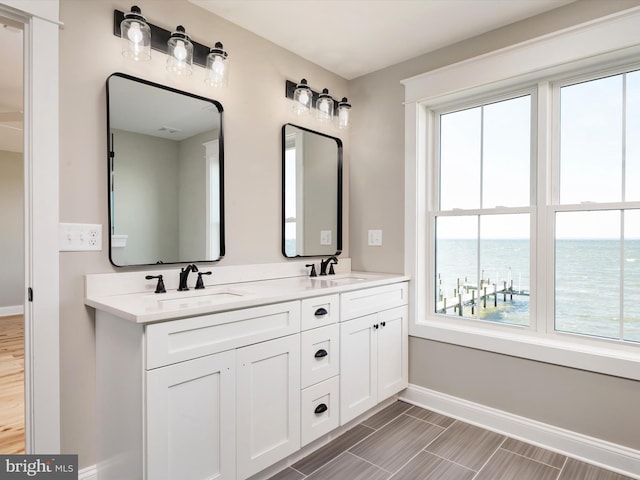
(311, 193)
(166, 181)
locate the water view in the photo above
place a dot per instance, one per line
(597, 284)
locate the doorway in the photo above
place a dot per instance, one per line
(12, 276)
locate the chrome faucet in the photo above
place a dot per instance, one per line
(332, 260)
(184, 275)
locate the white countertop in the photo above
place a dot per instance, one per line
(146, 307)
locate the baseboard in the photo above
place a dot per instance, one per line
(88, 473)
(11, 310)
(598, 452)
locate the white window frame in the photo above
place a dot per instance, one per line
(595, 46)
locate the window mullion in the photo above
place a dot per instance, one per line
(546, 163)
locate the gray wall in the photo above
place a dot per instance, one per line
(12, 228)
(193, 196)
(146, 197)
(254, 111)
(588, 403)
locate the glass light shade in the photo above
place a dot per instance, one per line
(343, 117)
(180, 52)
(136, 36)
(302, 97)
(324, 106)
(217, 74)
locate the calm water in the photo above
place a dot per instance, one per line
(590, 277)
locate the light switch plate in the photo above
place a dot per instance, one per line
(375, 238)
(79, 237)
(325, 237)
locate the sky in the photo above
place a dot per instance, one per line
(485, 161)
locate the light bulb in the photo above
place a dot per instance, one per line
(179, 51)
(343, 118)
(134, 33)
(304, 98)
(218, 67)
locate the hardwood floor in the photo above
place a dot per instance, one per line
(12, 384)
(404, 442)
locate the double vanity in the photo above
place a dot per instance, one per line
(225, 381)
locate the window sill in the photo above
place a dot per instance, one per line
(613, 360)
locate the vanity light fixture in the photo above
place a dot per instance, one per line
(324, 106)
(217, 74)
(343, 113)
(180, 52)
(327, 109)
(136, 35)
(139, 37)
(302, 97)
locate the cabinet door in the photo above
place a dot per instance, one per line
(358, 367)
(392, 352)
(268, 403)
(191, 420)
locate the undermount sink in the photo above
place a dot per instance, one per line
(339, 279)
(192, 298)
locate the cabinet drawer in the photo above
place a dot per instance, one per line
(320, 349)
(319, 409)
(180, 340)
(320, 311)
(371, 300)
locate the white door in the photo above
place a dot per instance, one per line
(358, 366)
(392, 352)
(268, 395)
(191, 420)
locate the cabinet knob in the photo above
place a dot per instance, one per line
(321, 312)
(375, 326)
(384, 324)
(321, 353)
(321, 409)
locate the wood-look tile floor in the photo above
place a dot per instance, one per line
(404, 442)
(12, 385)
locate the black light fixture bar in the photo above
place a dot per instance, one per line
(291, 86)
(160, 37)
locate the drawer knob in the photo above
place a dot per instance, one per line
(321, 312)
(321, 409)
(321, 353)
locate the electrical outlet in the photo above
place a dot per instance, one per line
(78, 237)
(375, 238)
(325, 237)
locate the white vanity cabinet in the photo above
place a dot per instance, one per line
(268, 403)
(373, 347)
(320, 367)
(224, 394)
(170, 393)
(190, 417)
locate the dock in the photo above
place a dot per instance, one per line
(473, 296)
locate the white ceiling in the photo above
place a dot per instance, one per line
(355, 37)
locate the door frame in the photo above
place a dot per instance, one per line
(41, 141)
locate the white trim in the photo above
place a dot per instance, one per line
(598, 452)
(604, 43)
(88, 473)
(11, 310)
(42, 354)
(615, 34)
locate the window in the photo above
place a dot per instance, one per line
(597, 232)
(482, 195)
(485, 206)
(482, 223)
